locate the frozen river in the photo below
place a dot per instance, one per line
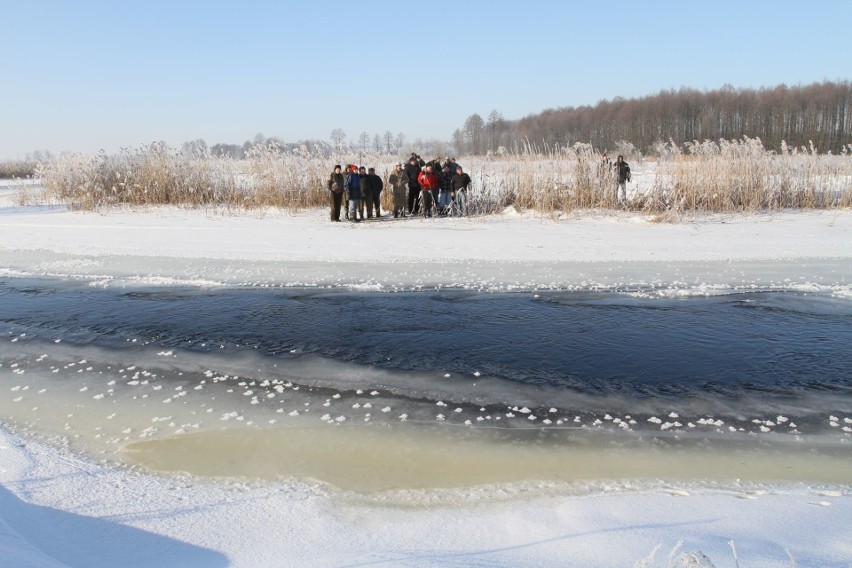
(277, 383)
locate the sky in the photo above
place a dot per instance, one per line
(86, 76)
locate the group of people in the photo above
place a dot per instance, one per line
(418, 188)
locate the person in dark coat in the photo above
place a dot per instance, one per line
(336, 184)
(622, 177)
(460, 183)
(352, 186)
(366, 193)
(445, 191)
(412, 172)
(375, 183)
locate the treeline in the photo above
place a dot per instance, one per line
(820, 113)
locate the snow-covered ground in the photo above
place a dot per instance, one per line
(58, 508)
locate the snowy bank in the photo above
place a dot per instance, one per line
(50, 499)
(622, 251)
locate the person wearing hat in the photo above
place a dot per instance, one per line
(412, 172)
(335, 187)
(366, 194)
(428, 182)
(374, 200)
(353, 192)
(398, 182)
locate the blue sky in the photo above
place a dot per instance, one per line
(90, 75)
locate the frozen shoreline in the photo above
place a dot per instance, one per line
(51, 498)
(55, 499)
(612, 251)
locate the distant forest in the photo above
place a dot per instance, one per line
(820, 113)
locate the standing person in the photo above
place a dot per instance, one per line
(622, 175)
(353, 193)
(376, 185)
(446, 188)
(428, 182)
(450, 163)
(436, 169)
(412, 172)
(349, 169)
(398, 182)
(336, 184)
(460, 183)
(366, 194)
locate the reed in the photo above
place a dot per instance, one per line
(711, 176)
(17, 169)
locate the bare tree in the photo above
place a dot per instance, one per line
(388, 141)
(194, 148)
(458, 141)
(494, 127)
(820, 112)
(473, 133)
(337, 138)
(363, 141)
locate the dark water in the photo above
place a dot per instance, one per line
(744, 385)
(777, 343)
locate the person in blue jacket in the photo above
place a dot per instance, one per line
(352, 186)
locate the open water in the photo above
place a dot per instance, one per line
(144, 374)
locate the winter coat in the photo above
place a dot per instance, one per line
(353, 186)
(460, 181)
(428, 180)
(436, 166)
(622, 171)
(446, 181)
(375, 182)
(398, 179)
(336, 183)
(412, 172)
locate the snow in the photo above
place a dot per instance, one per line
(808, 250)
(58, 508)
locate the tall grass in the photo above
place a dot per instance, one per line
(17, 169)
(724, 176)
(740, 175)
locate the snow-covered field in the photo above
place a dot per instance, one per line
(58, 508)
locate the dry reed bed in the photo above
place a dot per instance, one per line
(17, 169)
(724, 176)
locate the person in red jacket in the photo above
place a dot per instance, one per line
(428, 181)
